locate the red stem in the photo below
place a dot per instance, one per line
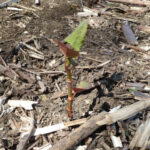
(69, 83)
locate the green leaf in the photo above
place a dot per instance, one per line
(76, 38)
(84, 85)
(133, 89)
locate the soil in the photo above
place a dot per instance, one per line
(55, 19)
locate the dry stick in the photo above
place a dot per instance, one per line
(4, 63)
(144, 28)
(34, 72)
(135, 2)
(94, 67)
(119, 17)
(93, 59)
(23, 7)
(93, 124)
(138, 49)
(32, 48)
(35, 143)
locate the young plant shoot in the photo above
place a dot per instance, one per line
(75, 39)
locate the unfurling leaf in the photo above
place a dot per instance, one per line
(68, 52)
(76, 38)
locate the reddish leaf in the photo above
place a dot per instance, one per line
(78, 90)
(68, 52)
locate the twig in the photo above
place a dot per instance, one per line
(31, 48)
(14, 9)
(23, 7)
(92, 67)
(35, 143)
(2, 60)
(51, 72)
(138, 49)
(135, 2)
(93, 59)
(36, 55)
(37, 73)
(75, 122)
(144, 28)
(119, 17)
(58, 88)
